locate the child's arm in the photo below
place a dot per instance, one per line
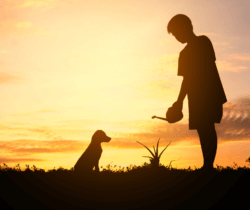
(182, 94)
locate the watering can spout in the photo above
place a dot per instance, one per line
(161, 118)
(173, 115)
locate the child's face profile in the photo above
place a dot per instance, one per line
(180, 36)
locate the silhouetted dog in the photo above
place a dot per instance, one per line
(90, 158)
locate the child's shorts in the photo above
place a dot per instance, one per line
(200, 116)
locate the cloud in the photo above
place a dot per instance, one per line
(231, 66)
(243, 101)
(32, 131)
(14, 27)
(36, 3)
(208, 34)
(222, 46)
(46, 133)
(18, 28)
(167, 133)
(18, 160)
(24, 4)
(234, 126)
(6, 78)
(236, 120)
(174, 133)
(240, 57)
(33, 146)
(16, 17)
(221, 43)
(235, 63)
(33, 113)
(13, 131)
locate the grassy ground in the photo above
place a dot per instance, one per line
(125, 188)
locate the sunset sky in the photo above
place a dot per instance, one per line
(71, 67)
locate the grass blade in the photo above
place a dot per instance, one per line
(157, 148)
(164, 150)
(154, 149)
(146, 148)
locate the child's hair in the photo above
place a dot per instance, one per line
(179, 22)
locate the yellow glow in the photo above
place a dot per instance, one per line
(36, 3)
(23, 25)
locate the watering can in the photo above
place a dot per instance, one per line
(173, 115)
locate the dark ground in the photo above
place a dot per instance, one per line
(161, 188)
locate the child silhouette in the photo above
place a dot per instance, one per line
(202, 84)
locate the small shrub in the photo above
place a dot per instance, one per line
(155, 160)
(17, 167)
(27, 168)
(60, 169)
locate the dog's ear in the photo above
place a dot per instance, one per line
(97, 133)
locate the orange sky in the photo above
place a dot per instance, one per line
(71, 67)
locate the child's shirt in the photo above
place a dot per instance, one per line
(197, 66)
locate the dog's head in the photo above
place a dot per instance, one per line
(100, 136)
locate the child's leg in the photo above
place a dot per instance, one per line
(208, 140)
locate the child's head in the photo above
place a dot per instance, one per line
(181, 27)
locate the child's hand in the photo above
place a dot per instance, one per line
(178, 105)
